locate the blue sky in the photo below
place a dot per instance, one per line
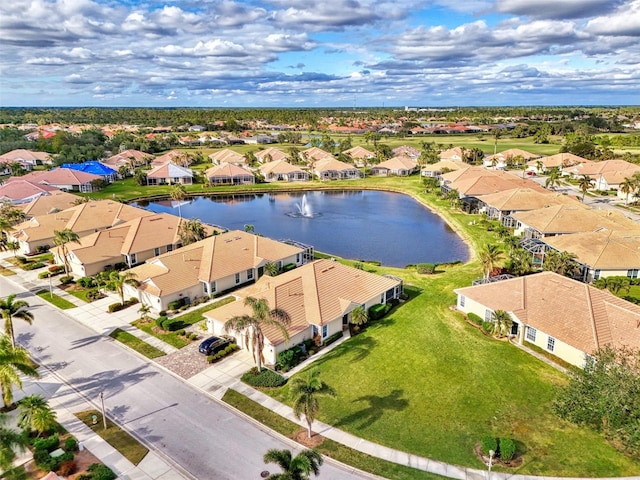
(319, 53)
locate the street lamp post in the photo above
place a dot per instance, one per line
(491, 454)
(50, 287)
(104, 417)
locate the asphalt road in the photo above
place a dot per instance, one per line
(203, 437)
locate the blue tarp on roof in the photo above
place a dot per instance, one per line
(94, 167)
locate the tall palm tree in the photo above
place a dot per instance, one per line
(36, 414)
(305, 392)
(61, 238)
(299, 467)
(502, 323)
(490, 255)
(553, 179)
(251, 325)
(14, 309)
(585, 183)
(178, 192)
(10, 441)
(191, 231)
(627, 186)
(14, 362)
(117, 281)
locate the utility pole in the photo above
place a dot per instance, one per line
(104, 417)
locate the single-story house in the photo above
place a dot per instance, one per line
(227, 156)
(26, 158)
(332, 169)
(209, 267)
(502, 159)
(456, 154)
(596, 169)
(107, 173)
(499, 205)
(406, 151)
(169, 173)
(360, 155)
(271, 154)
(282, 171)
(563, 161)
(63, 178)
(176, 156)
(319, 298)
(603, 253)
(131, 242)
(315, 154)
(129, 158)
(52, 202)
(82, 219)
(436, 169)
(564, 317)
(23, 191)
(399, 166)
(229, 174)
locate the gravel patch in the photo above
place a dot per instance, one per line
(186, 362)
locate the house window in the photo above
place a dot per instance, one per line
(156, 251)
(297, 258)
(596, 275)
(132, 258)
(633, 273)
(551, 344)
(488, 315)
(250, 274)
(279, 265)
(213, 287)
(314, 331)
(461, 300)
(237, 278)
(169, 248)
(325, 330)
(531, 334)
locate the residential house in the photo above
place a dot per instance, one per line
(319, 298)
(282, 171)
(502, 159)
(210, 267)
(62, 178)
(131, 243)
(271, 154)
(129, 158)
(176, 156)
(26, 158)
(562, 161)
(169, 174)
(437, 169)
(229, 174)
(332, 169)
(83, 219)
(228, 156)
(602, 253)
(360, 155)
(406, 151)
(315, 154)
(399, 166)
(107, 173)
(456, 154)
(499, 205)
(51, 202)
(23, 191)
(569, 319)
(597, 169)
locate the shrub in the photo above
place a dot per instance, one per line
(193, 336)
(175, 305)
(265, 378)
(21, 260)
(67, 279)
(116, 307)
(94, 294)
(332, 338)
(489, 443)
(507, 449)
(426, 268)
(70, 445)
(44, 461)
(160, 320)
(232, 347)
(86, 282)
(290, 358)
(120, 266)
(288, 266)
(475, 318)
(172, 324)
(181, 332)
(162, 313)
(487, 326)
(42, 275)
(101, 472)
(49, 444)
(377, 311)
(56, 269)
(32, 265)
(66, 468)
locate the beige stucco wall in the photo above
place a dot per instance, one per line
(561, 350)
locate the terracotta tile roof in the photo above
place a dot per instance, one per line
(26, 156)
(455, 153)
(605, 166)
(273, 152)
(558, 219)
(171, 156)
(513, 152)
(227, 156)
(59, 176)
(603, 249)
(452, 165)
(575, 313)
(18, 190)
(406, 151)
(490, 181)
(523, 199)
(315, 293)
(128, 157)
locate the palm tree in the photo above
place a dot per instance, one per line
(271, 269)
(178, 192)
(36, 414)
(144, 312)
(554, 177)
(299, 467)
(490, 255)
(359, 316)
(562, 263)
(14, 247)
(454, 197)
(585, 183)
(10, 441)
(118, 280)
(539, 166)
(627, 186)
(191, 231)
(14, 362)
(502, 323)
(61, 238)
(305, 392)
(520, 262)
(251, 325)
(14, 309)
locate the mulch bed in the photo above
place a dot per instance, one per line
(302, 437)
(515, 462)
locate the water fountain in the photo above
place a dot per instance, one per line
(304, 209)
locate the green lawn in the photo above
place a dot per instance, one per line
(128, 446)
(6, 272)
(136, 344)
(55, 299)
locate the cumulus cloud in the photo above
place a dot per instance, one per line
(558, 9)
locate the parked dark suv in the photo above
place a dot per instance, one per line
(213, 345)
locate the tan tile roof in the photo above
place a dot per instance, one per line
(522, 199)
(452, 165)
(315, 153)
(603, 249)
(574, 218)
(406, 151)
(279, 166)
(171, 156)
(331, 163)
(169, 170)
(59, 176)
(55, 200)
(227, 156)
(127, 157)
(452, 153)
(560, 160)
(576, 313)
(493, 182)
(315, 293)
(25, 156)
(227, 170)
(398, 163)
(211, 259)
(513, 152)
(606, 166)
(359, 152)
(273, 152)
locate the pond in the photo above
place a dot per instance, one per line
(391, 228)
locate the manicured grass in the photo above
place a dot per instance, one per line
(128, 446)
(55, 300)
(194, 316)
(136, 344)
(328, 447)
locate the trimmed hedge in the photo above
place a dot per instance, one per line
(32, 265)
(489, 443)
(229, 349)
(332, 338)
(475, 318)
(265, 378)
(116, 307)
(172, 324)
(507, 449)
(378, 311)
